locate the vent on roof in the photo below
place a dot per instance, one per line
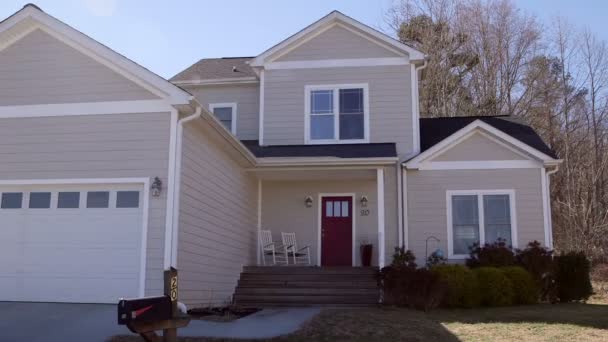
(234, 69)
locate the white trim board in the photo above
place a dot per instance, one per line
(99, 52)
(217, 81)
(478, 126)
(234, 113)
(479, 194)
(320, 220)
(327, 22)
(480, 165)
(336, 113)
(337, 63)
(144, 181)
(85, 108)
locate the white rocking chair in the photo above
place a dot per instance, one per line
(269, 248)
(300, 256)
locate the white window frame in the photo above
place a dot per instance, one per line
(479, 194)
(232, 105)
(336, 113)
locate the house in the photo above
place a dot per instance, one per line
(110, 174)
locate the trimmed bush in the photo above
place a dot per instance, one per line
(538, 261)
(573, 280)
(413, 288)
(404, 285)
(494, 287)
(525, 287)
(496, 254)
(461, 284)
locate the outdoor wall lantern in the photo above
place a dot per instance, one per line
(157, 186)
(308, 201)
(364, 201)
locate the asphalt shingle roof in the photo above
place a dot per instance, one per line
(374, 150)
(216, 68)
(434, 130)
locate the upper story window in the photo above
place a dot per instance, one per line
(337, 114)
(226, 113)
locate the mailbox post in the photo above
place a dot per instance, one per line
(146, 315)
(170, 277)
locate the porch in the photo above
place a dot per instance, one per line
(332, 210)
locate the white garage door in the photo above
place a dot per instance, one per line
(70, 243)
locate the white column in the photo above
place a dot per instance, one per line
(257, 238)
(405, 214)
(380, 184)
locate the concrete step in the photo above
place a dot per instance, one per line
(307, 291)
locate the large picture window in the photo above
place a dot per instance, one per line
(337, 114)
(483, 216)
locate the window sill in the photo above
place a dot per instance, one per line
(336, 142)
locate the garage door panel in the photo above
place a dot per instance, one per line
(89, 255)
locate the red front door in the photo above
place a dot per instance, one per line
(336, 231)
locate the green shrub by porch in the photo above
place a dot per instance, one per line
(462, 287)
(525, 287)
(495, 288)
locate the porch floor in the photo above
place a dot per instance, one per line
(296, 286)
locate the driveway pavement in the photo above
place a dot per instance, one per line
(56, 322)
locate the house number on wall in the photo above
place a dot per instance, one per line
(364, 212)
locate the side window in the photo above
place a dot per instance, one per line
(226, 113)
(40, 200)
(127, 199)
(11, 200)
(68, 200)
(98, 199)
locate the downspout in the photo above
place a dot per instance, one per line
(404, 241)
(172, 259)
(549, 213)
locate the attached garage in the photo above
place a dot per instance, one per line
(72, 242)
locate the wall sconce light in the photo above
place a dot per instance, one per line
(157, 186)
(308, 201)
(364, 201)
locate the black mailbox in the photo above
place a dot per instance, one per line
(146, 309)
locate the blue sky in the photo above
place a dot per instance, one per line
(169, 35)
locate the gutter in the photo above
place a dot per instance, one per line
(171, 231)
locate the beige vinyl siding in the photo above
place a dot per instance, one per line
(217, 219)
(337, 43)
(283, 210)
(247, 98)
(427, 202)
(40, 69)
(478, 147)
(94, 146)
(389, 95)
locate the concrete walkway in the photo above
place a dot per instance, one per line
(267, 323)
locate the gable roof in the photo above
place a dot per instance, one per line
(31, 17)
(225, 68)
(434, 130)
(329, 20)
(438, 134)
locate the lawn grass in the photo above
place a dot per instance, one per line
(543, 322)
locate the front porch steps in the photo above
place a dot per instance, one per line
(273, 286)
